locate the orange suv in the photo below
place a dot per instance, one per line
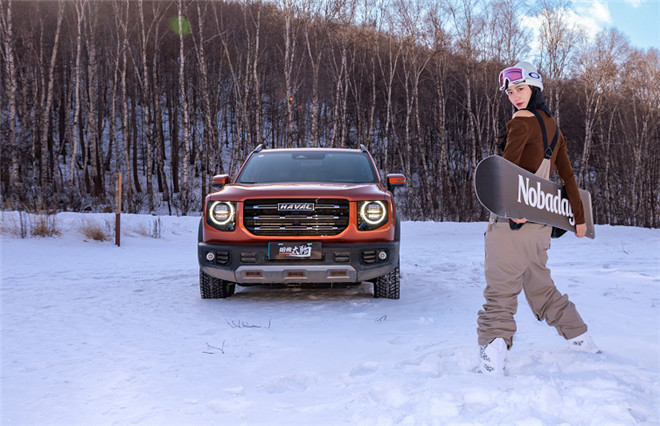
(301, 216)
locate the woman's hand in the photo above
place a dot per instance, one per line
(581, 230)
(519, 221)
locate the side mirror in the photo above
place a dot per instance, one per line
(218, 181)
(394, 181)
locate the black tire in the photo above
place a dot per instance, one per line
(389, 285)
(214, 288)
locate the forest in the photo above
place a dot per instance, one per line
(170, 93)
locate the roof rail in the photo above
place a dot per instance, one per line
(259, 148)
(363, 148)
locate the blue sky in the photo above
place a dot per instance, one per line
(639, 20)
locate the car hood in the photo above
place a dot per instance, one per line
(238, 192)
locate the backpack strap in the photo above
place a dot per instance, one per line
(548, 150)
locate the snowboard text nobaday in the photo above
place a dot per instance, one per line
(535, 197)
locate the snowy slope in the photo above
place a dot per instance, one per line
(96, 334)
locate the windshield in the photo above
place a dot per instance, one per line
(308, 166)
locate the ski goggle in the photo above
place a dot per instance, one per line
(516, 75)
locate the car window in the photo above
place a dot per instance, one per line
(308, 166)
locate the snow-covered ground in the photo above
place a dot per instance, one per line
(98, 334)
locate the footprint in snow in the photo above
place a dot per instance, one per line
(365, 368)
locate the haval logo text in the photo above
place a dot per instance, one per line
(306, 207)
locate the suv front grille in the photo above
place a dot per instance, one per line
(329, 217)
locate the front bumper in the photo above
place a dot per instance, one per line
(339, 263)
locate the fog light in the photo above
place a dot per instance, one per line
(382, 255)
(210, 256)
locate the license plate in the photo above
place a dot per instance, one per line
(293, 251)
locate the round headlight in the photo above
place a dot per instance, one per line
(221, 212)
(373, 212)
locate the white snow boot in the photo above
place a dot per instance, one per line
(491, 357)
(583, 343)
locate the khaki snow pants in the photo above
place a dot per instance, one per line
(515, 261)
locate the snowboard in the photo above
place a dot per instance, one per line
(512, 192)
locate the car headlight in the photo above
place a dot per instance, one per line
(371, 214)
(222, 215)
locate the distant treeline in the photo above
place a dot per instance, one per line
(170, 93)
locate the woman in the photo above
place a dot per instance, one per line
(516, 250)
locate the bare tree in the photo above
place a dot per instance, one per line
(146, 104)
(468, 25)
(185, 125)
(642, 134)
(10, 77)
(558, 38)
(505, 40)
(210, 133)
(598, 69)
(121, 22)
(158, 131)
(95, 187)
(241, 62)
(80, 14)
(144, 79)
(439, 65)
(216, 153)
(115, 150)
(339, 37)
(388, 57)
(315, 48)
(44, 173)
(291, 65)
(415, 59)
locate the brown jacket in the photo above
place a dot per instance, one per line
(524, 147)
